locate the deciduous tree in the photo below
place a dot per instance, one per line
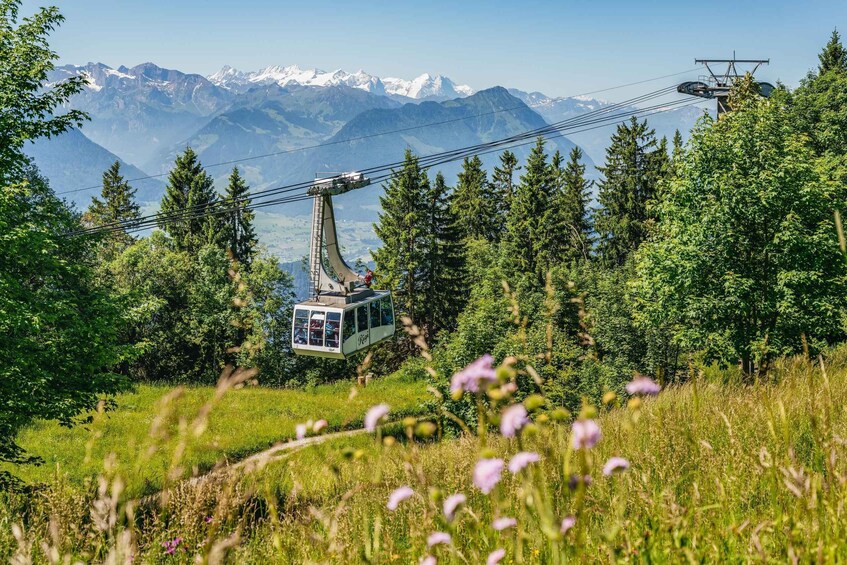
(28, 109)
(745, 262)
(58, 325)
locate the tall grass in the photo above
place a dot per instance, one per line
(719, 471)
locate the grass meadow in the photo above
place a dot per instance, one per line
(719, 471)
(142, 432)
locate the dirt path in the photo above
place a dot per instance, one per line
(251, 463)
(274, 452)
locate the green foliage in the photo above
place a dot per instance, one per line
(403, 232)
(678, 147)
(745, 91)
(568, 220)
(621, 348)
(237, 232)
(59, 327)
(28, 110)
(189, 196)
(745, 259)
(118, 207)
(154, 278)
(503, 187)
(834, 56)
(527, 236)
(268, 295)
(421, 259)
(819, 110)
(635, 166)
(474, 203)
(485, 320)
(444, 275)
(195, 314)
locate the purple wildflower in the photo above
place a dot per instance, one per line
(469, 378)
(585, 434)
(436, 538)
(568, 523)
(171, 545)
(513, 419)
(300, 431)
(495, 557)
(428, 560)
(504, 523)
(319, 426)
(521, 460)
(486, 474)
(208, 519)
(374, 415)
(615, 465)
(643, 385)
(398, 496)
(452, 503)
(575, 480)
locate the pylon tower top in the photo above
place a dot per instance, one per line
(717, 84)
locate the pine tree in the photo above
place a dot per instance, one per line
(403, 231)
(238, 234)
(473, 201)
(663, 166)
(634, 167)
(190, 195)
(819, 106)
(118, 206)
(568, 233)
(834, 56)
(556, 234)
(678, 147)
(443, 270)
(576, 192)
(525, 235)
(503, 187)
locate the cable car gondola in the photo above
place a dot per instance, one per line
(344, 315)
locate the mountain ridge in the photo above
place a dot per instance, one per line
(485, 116)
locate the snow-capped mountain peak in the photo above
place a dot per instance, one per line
(424, 86)
(226, 74)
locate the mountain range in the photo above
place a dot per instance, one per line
(424, 87)
(311, 121)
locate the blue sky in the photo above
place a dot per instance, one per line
(559, 48)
